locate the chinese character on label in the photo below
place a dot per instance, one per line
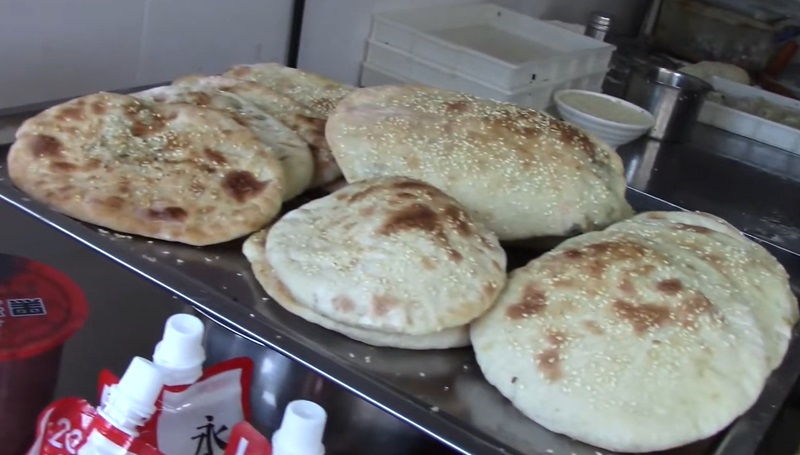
(2, 310)
(26, 307)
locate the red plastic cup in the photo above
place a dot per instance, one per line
(40, 308)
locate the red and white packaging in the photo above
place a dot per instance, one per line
(71, 426)
(198, 418)
(246, 440)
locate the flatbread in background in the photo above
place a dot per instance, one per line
(706, 70)
(520, 172)
(309, 125)
(174, 171)
(394, 258)
(654, 333)
(316, 92)
(290, 150)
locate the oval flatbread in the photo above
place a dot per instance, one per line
(309, 125)
(290, 150)
(393, 257)
(654, 333)
(318, 93)
(520, 172)
(174, 171)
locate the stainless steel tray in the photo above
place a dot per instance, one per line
(442, 393)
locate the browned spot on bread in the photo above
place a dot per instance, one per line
(214, 156)
(641, 317)
(643, 269)
(457, 106)
(201, 98)
(343, 304)
(533, 302)
(459, 219)
(70, 113)
(626, 286)
(428, 263)
(454, 255)
(671, 286)
(406, 195)
(691, 228)
(382, 304)
(593, 328)
(413, 162)
(115, 202)
(62, 166)
(141, 129)
(489, 289)
(240, 71)
(415, 216)
(239, 119)
(92, 164)
(168, 214)
(572, 136)
(98, 108)
(197, 187)
(359, 195)
(573, 254)
(549, 363)
(45, 146)
(692, 308)
(556, 338)
(242, 185)
(412, 185)
(656, 216)
(366, 211)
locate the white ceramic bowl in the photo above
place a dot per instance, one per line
(613, 133)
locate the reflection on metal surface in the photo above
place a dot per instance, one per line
(440, 393)
(752, 185)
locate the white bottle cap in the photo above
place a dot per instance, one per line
(132, 401)
(301, 430)
(180, 355)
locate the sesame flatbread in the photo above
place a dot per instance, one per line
(520, 172)
(316, 92)
(309, 125)
(389, 257)
(174, 171)
(651, 334)
(290, 150)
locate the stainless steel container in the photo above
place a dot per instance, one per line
(354, 427)
(672, 97)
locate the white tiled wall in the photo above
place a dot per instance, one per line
(58, 48)
(335, 31)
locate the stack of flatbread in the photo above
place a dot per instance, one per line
(389, 261)
(205, 160)
(651, 334)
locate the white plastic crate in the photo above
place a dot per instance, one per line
(540, 97)
(492, 44)
(749, 125)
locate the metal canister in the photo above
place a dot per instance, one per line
(674, 99)
(598, 26)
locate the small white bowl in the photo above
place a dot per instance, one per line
(613, 133)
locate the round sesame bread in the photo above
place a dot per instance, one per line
(389, 255)
(520, 172)
(254, 249)
(173, 171)
(318, 93)
(290, 150)
(309, 125)
(651, 334)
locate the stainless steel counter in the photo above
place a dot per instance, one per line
(442, 393)
(754, 186)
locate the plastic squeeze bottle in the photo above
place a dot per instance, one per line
(301, 430)
(180, 354)
(130, 404)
